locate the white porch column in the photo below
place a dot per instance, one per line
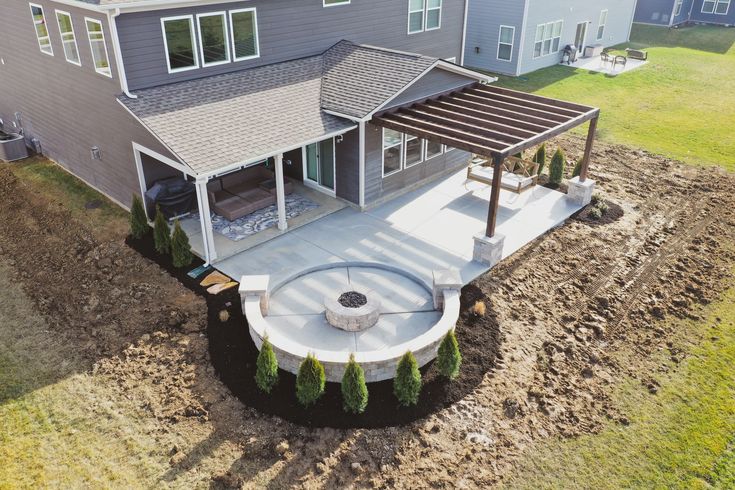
(361, 149)
(280, 194)
(205, 218)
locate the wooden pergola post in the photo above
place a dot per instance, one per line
(588, 149)
(492, 212)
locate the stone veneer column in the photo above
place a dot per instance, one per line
(488, 250)
(255, 286)
(442, 280)
(580, 192)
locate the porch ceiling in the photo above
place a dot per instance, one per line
(487, 120)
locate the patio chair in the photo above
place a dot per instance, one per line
(606, 57)
(620, 60)
(517, 175)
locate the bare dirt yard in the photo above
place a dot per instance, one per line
(109, 355)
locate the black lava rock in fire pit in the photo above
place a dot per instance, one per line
(352, 299)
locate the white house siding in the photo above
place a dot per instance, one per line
(483, 30)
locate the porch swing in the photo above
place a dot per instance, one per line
(518, 175)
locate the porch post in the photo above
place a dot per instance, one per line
(361, 149)
(588, 149)
(492, 212)
(205, 218)
(280, 194)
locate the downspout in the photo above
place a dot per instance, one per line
(673, 11)
(464, 31)
(112, 21)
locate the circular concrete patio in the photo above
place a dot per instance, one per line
(296, 323)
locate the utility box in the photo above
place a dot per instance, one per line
(12, 147)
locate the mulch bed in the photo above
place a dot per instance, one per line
(234, 354)
(614, 212)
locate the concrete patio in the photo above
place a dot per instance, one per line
(595, 64)
(427, 229)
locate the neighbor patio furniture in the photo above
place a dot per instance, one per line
(620, 60)
(606, 57)
(637, 54)
(175, 196)
(518, 175)
(243, 192)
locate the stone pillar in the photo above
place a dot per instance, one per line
(443, 280)
(255, 286)
(488, 250)
(580, 192)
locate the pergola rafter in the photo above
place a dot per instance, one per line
(494, 122)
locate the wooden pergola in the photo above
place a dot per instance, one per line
(493, 122)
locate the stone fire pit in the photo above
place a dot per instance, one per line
(352, 310)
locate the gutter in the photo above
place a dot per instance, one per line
(464, 31)
(112, 21)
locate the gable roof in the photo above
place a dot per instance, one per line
(223, 121)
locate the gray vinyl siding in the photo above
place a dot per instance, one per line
(698, 16)
(347, 159)
(683, 16)
(435, 82)
(69, 108)
(617, 30)
(483, 31)
(378, 189)
(657, 12)
(289, 30)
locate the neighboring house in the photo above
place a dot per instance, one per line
(675, 12)
(520, 36)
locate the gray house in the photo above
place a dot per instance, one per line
(520, 36)
(221, 110)
(676, 12)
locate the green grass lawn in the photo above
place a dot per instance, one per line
(681, 104)
(683, 437)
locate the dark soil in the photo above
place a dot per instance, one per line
(352, 299)
(234, 355)
(614, 212)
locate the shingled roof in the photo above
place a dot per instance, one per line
(223, 120)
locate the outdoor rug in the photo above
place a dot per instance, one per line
(252, 223)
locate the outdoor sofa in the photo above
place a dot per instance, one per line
(243, 192)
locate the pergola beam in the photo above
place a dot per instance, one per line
(536, 98)
(527, 103)
(513, 115)
(485, 115)
(504, 129)
(588, 149)
(459, 123)
(552, 117)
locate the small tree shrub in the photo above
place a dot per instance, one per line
(161, 233)
(597, 199)
(266, 373)
(138, 220)
(310, 381)
(577, 169)
(556, 169)
(354, 388)
(595, 213)
(407, 383)
(180, 247)
(449, 358)
(540, 158)
(602, 206)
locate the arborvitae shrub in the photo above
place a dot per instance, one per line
(180, 248)
(310, 381)
(138, 220)
(595, 213)
(407, 383)
(266, 374)
(540, 158)
(577, 169)
(449, 358)
(354, 388)
(161, 233)
(556, 169)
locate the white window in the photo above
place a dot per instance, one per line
(505, 42)
(424, 15)
(414, 150)
(392, 151)
(244, 29)
(433, 149)
(433, 14)
(68, 39)
(548, 38)
(39, 23)
(214, 43)
(97, 44)
(330, 3)
(677, 10)
(178, 41)
(601, 25)
(719, 7)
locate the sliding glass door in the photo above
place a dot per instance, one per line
(320, 163)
